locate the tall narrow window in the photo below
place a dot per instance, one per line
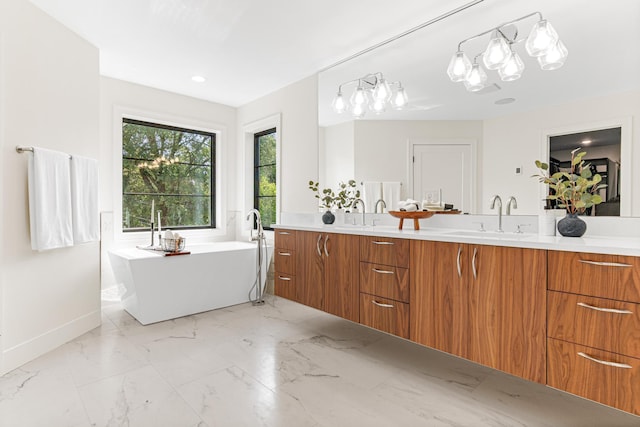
(174, 168)
(264, 176)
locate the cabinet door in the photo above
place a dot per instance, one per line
(438, 297)
(507, 310)
(309, 269)
(341, 271)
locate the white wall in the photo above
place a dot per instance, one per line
(118, 97)
(297, 105)
(50, 90)
(516, 140)
(336, 154)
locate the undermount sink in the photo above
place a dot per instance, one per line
(489, 234)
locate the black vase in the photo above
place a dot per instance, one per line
(572, 226)
(328, 217)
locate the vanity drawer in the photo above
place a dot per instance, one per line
(596, 322)
(285, 286)
(384, 250)
(285, 239)
(598, 275)
(595, 374)
(385, 315)
(285, 261)
(385, 281)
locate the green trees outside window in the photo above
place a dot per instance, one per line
(264, 189)
(172, 166)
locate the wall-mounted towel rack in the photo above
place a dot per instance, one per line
(20, 149)
(362, 183)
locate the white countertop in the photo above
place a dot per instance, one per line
(588, 244)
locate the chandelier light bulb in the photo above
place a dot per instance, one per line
(459, 67)
(378, 106)
(476, 78)
(358, 111)
(382, 91)
(512, 69)
(339, 105)
(359, 97)
(497, 52)
(554, 58)
(542, 38)
(400, 99)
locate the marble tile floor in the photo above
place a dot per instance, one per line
(281, 364)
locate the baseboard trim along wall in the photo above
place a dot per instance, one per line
(26, 351)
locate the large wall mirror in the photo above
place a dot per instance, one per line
(501, 129)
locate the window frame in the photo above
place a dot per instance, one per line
(112, 174)
(257, 166)
(212, 172)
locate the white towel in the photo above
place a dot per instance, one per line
(391, 193)
(50, 200)
(371, 193)
(84, 199)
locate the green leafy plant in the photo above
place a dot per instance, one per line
(343, 198)
(326, 196)
(347, 194)
(575, 190)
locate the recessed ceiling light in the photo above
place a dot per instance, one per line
(504, 101)
(586, 142)
(198, 79)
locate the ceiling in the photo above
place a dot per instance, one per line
(249, 48)
(244, 48)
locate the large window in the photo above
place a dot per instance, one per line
(264, 187)
(172, 167)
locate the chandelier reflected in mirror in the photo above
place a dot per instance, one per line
(372, 92)
(542, 43)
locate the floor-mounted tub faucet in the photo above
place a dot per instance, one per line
(355, 202)
(511, 202)
(258, 225)
(384, 206)
(493, 205)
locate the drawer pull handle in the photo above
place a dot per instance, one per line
(606, 310)
(326, 239)
(284, 253)
(473, 263)
(382, 271)
(379, 304)
(286, 279)
(375, 242)
(604, 264)
(318, 245)
(284, 232)
(604, 362)
(458, 261)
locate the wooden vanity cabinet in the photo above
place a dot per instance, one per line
(321, 271)
(593, 345)
(285, 284)
(384, 284)
(484, 303)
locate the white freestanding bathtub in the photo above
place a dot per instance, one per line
(214, 275)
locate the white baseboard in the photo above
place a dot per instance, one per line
(26, 351)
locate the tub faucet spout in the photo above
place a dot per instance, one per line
(259, 228)
(493, 204)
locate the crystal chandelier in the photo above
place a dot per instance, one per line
(372, 92)
(542, 43)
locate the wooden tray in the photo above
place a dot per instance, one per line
(451, 211)
(415, 216)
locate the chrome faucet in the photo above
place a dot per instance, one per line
(511, 201)
(384, 206)
(355, 202)
(258, 224)
(493, 205)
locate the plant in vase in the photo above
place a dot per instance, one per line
(327, 199)
(575, 191)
